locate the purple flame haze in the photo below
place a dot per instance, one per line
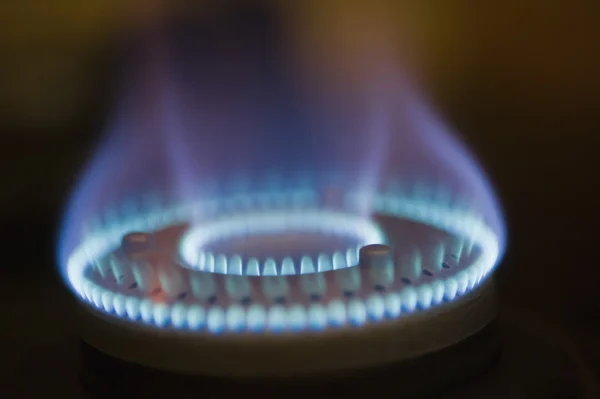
(221, 110)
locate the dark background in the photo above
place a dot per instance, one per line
(518, 79)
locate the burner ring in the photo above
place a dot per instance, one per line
(407, 299)
(409, 309)
(361, 230)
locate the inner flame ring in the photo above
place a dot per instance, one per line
(193, 245)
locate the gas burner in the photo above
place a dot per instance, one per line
(291, 231)
(286, 276)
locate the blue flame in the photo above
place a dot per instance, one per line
(184, 150)
(258, 317)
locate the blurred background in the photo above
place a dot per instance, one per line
(518, 79)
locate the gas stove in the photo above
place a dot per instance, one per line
(232, 237)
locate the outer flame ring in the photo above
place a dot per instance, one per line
(438, 215)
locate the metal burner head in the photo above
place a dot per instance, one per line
(288, 268)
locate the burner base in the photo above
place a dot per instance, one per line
(281, 355)
(433, 373)
(509, 358)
